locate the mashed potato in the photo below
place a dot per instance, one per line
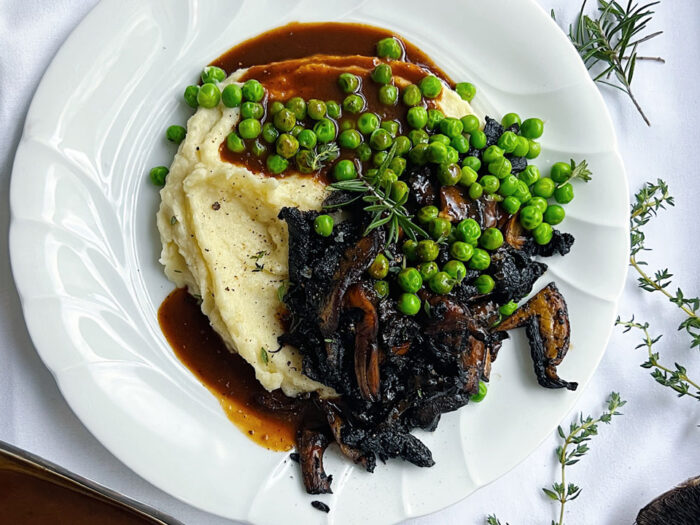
(222, 240)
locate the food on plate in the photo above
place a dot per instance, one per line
(360, 236)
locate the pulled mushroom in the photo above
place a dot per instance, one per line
(311, 445)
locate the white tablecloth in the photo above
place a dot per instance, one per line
(648, 450)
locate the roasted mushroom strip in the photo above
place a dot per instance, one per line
(546, 321)
(311, 445)
(366, 349)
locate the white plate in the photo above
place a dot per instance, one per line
(84, 248)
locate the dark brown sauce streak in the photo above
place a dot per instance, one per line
(271, 419)
(35, 496)
(354, 47)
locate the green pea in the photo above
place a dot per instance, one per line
(466, 90)
(419, 154)
(522, 192)
(410, 280)
(467, 176)
(477, 139)
(470, 123)
(249, 128)
(476, 190)
(307, 139)
(481, 394)
(388, 95)
(345, 170)
(316, 109)
(418, 136)
(399, 192)
(409, 304)
(460, 143)
(364, 152)
(325, 130)
(353, 104)
(426, 214)
(297, 105)
(508, 141)
(232, 96)
(398, 165)
(190, 96)
(252, 110)
(543, 233)
(439, 137)
(417, 117)
(380, 140)
(484, 284)
(508, 308)
(441, 283)
(490, 184)
(492, 153)
(533, 150)
(462, 251)
(175, 134)
(410, 249)
(430, 86)
(509, 119)
(381, 74)
(428, 269)
(437, 152)
(451, 127)
(347, 124)
(348, 82)
(277, 164)
(439, 228)
(501, 167)
(411, 95)
(560, 172)
(522, 146)
(284, 120)
(532, 128)
(511, 205)
(382, 288)
(212, 74)
(158, 175)
(350, 139)
(530, 217)
(449, 174)
(565, 194)
(455, 269)
(472, 162)
(468, 230)
(544, 188)
(333, 109)
(323, 225)
(530, 175)
(234, 143)
(427, 250)
(257, 148)
(403, 145)
(296, 130)
(209, 95)
(379, 267)
(435, 116)
(304, 161)
(253, 90)
(389, 48)
(554, 214)
(480, 260)
(391, 126)
(509, 185)
(539, 203)
(276, 107)
(491, 239)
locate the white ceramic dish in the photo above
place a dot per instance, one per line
(84, 248)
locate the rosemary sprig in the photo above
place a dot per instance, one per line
(580, 433)
(383, 209)
(676, 379)
(611, 39)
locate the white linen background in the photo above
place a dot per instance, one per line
(643, 453)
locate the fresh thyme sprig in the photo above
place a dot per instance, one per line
(580, 433)
(318, 158)
(676, 379)
(384, 209)
(611, 39)
(578, 171)
(493, 520)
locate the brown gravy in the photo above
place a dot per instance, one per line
(271, 419)
(30, 495)
(339, 47)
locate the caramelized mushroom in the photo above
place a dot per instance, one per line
(455, 204)
(311, 445)
(546, 322)
(514, 233)
(366, 349)
(336, 423)
(679, 506)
